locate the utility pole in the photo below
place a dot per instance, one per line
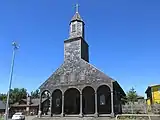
(15, 47)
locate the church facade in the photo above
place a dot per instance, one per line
(77, 88)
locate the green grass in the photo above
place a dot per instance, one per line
(1, 118)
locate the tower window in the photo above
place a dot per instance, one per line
(73, 27)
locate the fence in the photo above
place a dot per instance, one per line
(137, 117)
(140, 109)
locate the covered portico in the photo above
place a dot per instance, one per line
(81, 101)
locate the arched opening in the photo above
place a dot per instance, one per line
(88, 102)
(45, 102)
(104, 99)
(72, 101)
(57, 102)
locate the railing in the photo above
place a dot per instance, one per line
(140, 109)
(137, 115)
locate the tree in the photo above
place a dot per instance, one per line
(132, 95)
(35, 94)
(3, 97)
(17, 94)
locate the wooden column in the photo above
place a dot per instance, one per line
(51, 105)
(112, 104)
(96, 106)
(81, 106)
(40, 102)
(62, 114)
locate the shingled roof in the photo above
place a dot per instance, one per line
(2, 105)
(76, 17)
(150, 86)
(34, 102)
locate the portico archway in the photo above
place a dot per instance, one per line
(72, 101)
(45, 102)
(88, 101)
(57, 102)
(104, 99)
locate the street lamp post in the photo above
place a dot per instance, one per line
(15, 47)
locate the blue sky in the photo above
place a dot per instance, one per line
(123, 38)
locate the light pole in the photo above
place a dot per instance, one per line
(15, 47)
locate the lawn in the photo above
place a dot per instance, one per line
(1, 118)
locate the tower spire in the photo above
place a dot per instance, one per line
(77, 16)
(76, 25)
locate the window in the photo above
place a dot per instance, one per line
(73, 27)
(102, 100)
(57, 102)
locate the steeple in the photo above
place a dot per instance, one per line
(76, 25)
(76, 47)
(76, 17)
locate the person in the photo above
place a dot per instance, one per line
(39, 114)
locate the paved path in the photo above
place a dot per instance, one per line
(26, 118)
(29, 117)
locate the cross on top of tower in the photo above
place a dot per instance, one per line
(76, 16)
(15, 45)
(77, 8)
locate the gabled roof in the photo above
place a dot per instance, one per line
(119, 88)
(54, 79)
(150, 86)
(2, 105)
(34, 102)
(154, 85)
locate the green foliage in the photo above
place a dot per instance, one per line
(16, 94)
(3, 97)
(45, 94)
(132, 95)
(35, 94)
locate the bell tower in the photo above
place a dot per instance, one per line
(76, 25)
(75, 47)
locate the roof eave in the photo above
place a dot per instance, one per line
(147, 89)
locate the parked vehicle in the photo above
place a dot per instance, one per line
(18, 116)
